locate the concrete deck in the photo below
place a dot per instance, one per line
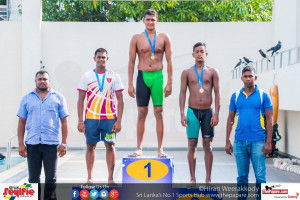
(72, 169)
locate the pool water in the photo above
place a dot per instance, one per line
(14, 161)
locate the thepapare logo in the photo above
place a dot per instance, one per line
(13, 192)
(275, 191)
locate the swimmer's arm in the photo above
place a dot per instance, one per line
(168, 53)
(182, 94)
(132, 57)
(216, 85)
(230, 122)
(182, 97)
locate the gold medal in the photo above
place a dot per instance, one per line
(201, 90)
(152, 57)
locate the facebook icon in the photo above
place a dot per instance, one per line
(74, 194)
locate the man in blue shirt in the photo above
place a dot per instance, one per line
(248, 106)
(40, 111)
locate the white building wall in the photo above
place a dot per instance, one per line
(298, 23)
(67, 51)
(285, 17)
(31, 42)
(10, 78)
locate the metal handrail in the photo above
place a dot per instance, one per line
(8, 152)
(262, 64)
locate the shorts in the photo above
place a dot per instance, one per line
(150, 84)
(199, 118)
(99, 130)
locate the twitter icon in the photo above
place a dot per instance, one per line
(94, 194)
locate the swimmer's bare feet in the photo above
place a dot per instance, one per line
(137, 153)
(89, 181)
(111, 183)
(208, 184)
(192, 184)
(162, 154)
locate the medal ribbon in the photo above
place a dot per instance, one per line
(103, 78)
(200, 80)
(154, 40)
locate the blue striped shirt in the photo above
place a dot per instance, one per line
(42, 117)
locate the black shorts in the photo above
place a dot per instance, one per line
(199, 118)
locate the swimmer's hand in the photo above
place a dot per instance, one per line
(131, 91)
(168, 90)
(214, 120)
(183, 120)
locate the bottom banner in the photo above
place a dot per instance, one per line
(157, 191)
(182, 191)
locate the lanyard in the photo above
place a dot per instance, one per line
(103, 78)
(200, 80)
(154, 40)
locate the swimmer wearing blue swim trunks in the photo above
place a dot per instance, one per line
(201, 80)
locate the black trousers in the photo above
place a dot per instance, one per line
(46, 155)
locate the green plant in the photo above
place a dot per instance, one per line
(169, 11)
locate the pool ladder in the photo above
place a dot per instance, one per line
(8, 152)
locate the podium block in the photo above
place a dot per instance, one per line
(147, 170)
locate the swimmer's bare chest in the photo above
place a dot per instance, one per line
(144, 51)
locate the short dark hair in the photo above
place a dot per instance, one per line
(199, 44)
(41, 72)
(150, 12)
(100, 50)
(248, 68)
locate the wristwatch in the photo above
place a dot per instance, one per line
(64, 145)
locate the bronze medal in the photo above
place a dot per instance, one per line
(152, 57)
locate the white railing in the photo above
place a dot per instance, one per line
(4, 11)
(281, 59)
(8, 152)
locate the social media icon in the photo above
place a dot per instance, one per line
(74, 194)
(84, 194)
(114, 194)
(103, 193)
(94, 194)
